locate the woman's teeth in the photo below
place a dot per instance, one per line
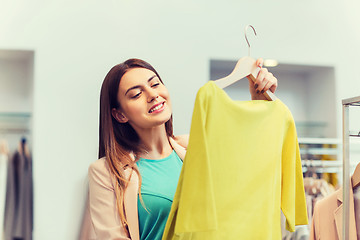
(157, 107)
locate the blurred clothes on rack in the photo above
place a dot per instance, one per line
(315, 186)
(302, 232)
(331, 178)
(238, 173)
(323, 158)
(315, 190)
(4, 151)
(19, 195)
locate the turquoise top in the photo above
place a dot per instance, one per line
(158, 186)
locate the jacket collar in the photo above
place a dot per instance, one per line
(180, 150)
(338, 214)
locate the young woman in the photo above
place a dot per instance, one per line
(132, 185)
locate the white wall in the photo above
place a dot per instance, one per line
(16, 85)
(322, 101)
(77, 42)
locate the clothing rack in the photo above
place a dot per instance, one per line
(15, 130)
(15, 122)
(13, 115)
(346, 103)
(354, 134)
(321, 166)
(322, 163)
(15, 126)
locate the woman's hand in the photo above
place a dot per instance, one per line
(265, 80)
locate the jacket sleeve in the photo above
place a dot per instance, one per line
(102, 204)
(293, 203)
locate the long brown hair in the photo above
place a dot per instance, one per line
(118, 140)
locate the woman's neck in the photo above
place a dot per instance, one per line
(156, 143)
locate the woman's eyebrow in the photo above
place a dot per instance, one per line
(138, 86)
(151, 78)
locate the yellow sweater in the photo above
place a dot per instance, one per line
(241, 168)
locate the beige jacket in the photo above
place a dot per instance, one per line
(327, 219)
(104, 217)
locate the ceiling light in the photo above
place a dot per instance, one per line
(270, 63)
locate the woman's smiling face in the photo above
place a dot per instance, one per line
(144, 100)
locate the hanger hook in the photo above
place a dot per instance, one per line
(246, 28)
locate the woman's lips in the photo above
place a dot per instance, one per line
(157, 108)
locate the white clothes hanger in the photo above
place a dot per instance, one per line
(245, 67)
(355, 179)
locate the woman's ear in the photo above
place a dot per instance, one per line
(119, 116)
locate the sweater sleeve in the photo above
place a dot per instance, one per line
(194, 203)
(293, 202)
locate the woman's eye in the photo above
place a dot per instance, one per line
(156, 84)
(137, 95)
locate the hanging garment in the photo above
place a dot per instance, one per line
(3, 173)
(241, 169)
(19, 197)
(328, 217)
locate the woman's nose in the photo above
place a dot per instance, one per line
(152, 95)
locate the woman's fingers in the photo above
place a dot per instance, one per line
(267, 87)
(265, 81)
(271, 83)
(259, 62)
(261, 80)
(273, 87)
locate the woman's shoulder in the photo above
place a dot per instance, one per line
(183, 140)
(101, 168)
(98, 165)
